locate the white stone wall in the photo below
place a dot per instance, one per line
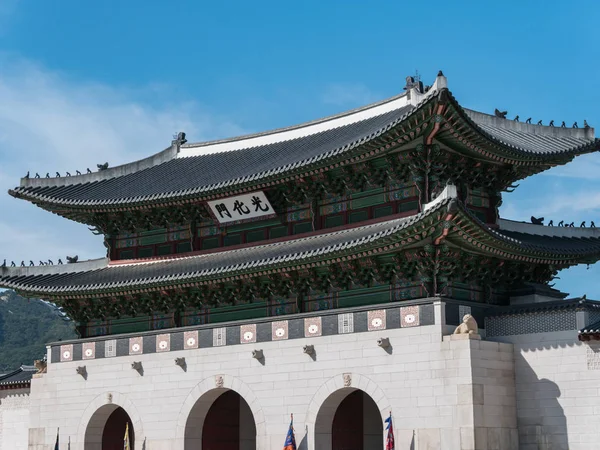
(14, 419)
(429, 384)
(558, 391)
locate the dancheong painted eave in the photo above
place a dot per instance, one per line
(463, 230)
(186, 172)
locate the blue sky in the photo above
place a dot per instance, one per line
(82, 83)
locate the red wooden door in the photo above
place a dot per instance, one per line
(347, 428)
(221, 429)
(114, 431)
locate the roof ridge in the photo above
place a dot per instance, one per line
(413, 97)
(581, 140)
(296, 126)
(18, 192)
(583, 133)
(56, 269)
(545, 230)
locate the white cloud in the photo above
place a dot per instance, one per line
(348, 95)
(49, 123)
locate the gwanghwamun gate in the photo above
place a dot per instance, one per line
(339, 270)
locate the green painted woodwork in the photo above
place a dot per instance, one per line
(334, 221)
(232, 239)
(371, 200)
(253, 225)
(408, 206)
(127, 254)
(300, 228)
(184, 247)
(366, 296)
(162, 250)
(207, 231)
(277, 232)
(145, 252)
(151, 232)
(358, 216)
(210, 243)
(158, 239)
(190, 318)
(463, 291)
(243, 312)
(320, 302)
(254, 236)
(480, 215)
(96, 328)
(382, 211)
(379, 163)
(368, 193)
(129, 325)
(298, 214)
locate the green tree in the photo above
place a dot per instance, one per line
(26, 326)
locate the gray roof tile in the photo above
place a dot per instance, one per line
(198, 173)
(21, 375)
(206, 264)
(533, 139)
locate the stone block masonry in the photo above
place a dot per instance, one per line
(443, 394)
(557, 382)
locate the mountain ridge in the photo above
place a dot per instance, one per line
(26, 326)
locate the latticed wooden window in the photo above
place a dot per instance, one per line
(478, 197)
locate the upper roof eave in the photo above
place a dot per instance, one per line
(26, 190)
(41, 191)
(583, 139)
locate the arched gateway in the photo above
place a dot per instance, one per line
(220, 420)
(349, 419)
(106, 429)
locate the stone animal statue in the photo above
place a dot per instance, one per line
(40, 365)
(180, 138)
(500, 114)
(468, 326)
(537, 220)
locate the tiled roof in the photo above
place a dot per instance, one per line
(207, 265)
(576, 246)
(100, 276)
(202, 173)
(534, 139)
(593, 328)
(199, 169)
(530, 308)
(19, 376)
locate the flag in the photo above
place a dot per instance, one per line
(126, 438)
(389, 441)
(290, 440)
(57, 444)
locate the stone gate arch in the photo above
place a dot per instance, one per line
(324, 405)
(97, 413)
(199, 401)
